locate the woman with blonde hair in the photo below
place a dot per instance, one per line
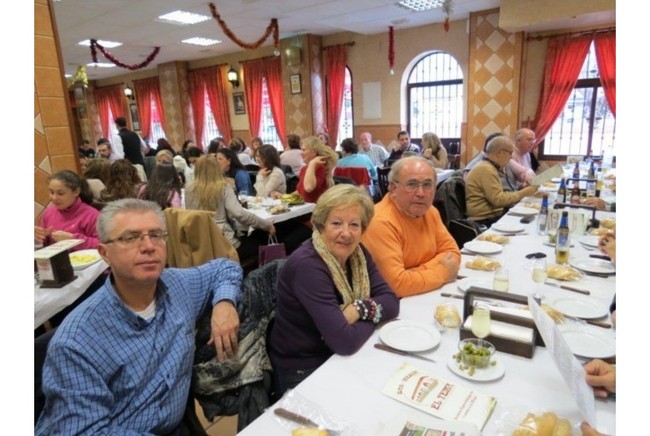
(433, 150)
(316, 176)
(211, 191)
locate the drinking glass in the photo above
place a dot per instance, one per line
(243, 194)
(481, 322)
(501, 280)
(540, 273)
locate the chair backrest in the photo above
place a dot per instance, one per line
(358, 174)
(450, 199)
(195, 238)
(343, 180)
(382, 180)
(40, 351)
(149, 165)
(237, 386)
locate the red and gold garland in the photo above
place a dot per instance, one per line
(94, 45)
(272, 28)
(391, 49)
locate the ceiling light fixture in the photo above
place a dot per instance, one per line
(100, 65)
(183, 18)
(233, 78)
(107, 44)
(420, 5)
(201, 41)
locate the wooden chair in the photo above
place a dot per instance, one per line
(382, 179)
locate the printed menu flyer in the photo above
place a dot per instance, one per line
(411, 424)
(438, 397)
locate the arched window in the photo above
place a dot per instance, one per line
(346, 120)
(210, 129)
(268, 132)
(434, 93)
(156, 130)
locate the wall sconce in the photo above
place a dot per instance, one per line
(128, 92)
(232, 77)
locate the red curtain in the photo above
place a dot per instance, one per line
(110, 97)
(273, 69)
(335, 71)
(146, 91)
(215, 84)
(253, 76)
(564, 59)
(197, 94)
(605, 44)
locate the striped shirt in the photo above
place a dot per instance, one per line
(109, 371)
(376, 153)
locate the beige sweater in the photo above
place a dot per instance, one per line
(484, 194)
(275, 181)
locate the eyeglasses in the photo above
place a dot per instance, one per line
(157, 237)
(412, 185)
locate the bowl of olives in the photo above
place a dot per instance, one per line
(475, 352)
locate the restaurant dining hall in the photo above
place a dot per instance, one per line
(324, 217)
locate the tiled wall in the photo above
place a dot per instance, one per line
(493, 84)
(54, 145)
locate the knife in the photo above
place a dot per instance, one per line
(601, 275)
(568, 288)
(400, 352)
(601, 324)
(302, 420)
(601, 256)
(447, 294)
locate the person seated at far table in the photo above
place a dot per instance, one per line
(408, 240)
(520, 161)
(71, 215)
(270, 176)
(97, 173)
(123, 181)
(163, 188)
(403, 144)
(233, 169)
(506, 175)
(330, 294)
(316, 176)
(352, 158)
(377, 153)
(211, 191)
(602, 376)
(433, 150)
(292, 155)
(484, 195)
(121, 362)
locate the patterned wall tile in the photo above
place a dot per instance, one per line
(493, 82)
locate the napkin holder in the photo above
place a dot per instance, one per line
(505, 345)
(53, 264)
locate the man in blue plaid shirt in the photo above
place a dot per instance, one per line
(121, 362)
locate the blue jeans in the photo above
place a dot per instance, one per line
(284, 379)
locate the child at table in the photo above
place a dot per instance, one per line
(70, 216)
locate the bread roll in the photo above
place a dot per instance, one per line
(312, 431)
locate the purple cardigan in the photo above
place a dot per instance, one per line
(309, 325)
(80, 219)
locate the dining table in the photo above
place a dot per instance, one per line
(50, 301)
(262, 209)
(348, 389)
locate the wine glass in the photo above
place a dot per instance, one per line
(243, 194)
(540, 274)
(481, 322)
(501, 280)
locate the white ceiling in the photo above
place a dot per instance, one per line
(134, 24)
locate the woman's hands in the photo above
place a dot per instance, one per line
(607, 245)
(351, 314)
(60, 235)
(264, 171)
(41, 233)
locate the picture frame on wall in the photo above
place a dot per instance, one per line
(238, 103)
(296, 87)
(135, 119)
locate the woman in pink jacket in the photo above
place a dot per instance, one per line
(70, 216)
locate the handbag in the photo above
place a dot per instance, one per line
(273, 250)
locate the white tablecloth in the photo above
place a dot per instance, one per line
(50, 301)
(349, 387)
(294, 212)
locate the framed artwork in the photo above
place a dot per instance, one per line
(296, 88)
(238, 103)
(135, 119)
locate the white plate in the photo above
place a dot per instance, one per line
(590, 240)
(508, 227)
(594, 265)
(408, 335)
(523, 210)
(589, 341)
(468, 282)
(84, 258)
(578, 307)
(480, 374)
(483, 247)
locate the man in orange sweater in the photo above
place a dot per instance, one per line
(407, 239)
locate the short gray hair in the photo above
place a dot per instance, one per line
(397, 166)
(105, 220)
(339, 196)
(497, 144)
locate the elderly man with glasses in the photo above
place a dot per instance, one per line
(121, 362)
(484, 195)
(407, 239)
